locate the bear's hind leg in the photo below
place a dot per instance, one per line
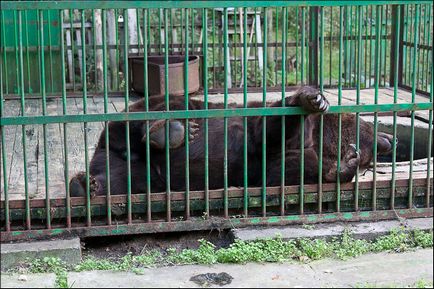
(77, 185)
(348, 168)
(176, 133)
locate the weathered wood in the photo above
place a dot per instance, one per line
(12, 109)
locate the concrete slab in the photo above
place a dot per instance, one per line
(360, 230)
(28, 281)
(379, 270)
(15, 254)
(383, 269)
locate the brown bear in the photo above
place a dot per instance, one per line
(308, 98)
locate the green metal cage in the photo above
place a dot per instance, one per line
(66, 74)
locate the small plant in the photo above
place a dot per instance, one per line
(422, 239)
(51, 265)
(315, 249)
(205, 254)
(349, 247)
(398, 240)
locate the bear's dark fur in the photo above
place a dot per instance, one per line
(309, 98)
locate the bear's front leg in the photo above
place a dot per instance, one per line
(310, 99)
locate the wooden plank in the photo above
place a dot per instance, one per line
(12, 108)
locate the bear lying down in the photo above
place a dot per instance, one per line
(309, 98)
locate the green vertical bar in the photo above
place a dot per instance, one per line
(303, 42)
(296, 43)
(84, 83)
(404, 49)
(430, 127)
(428, 42)
(65, 133)
(71, 26)
(384, 47)
(350, 52)
(378, 57)
(166, 97)
(44, 112)
(346, 45)
(50, 52)
(246, 191)
(20, 67)
(321, 124)
(276, 12)
(3, 152)
(187, 133)
(235, 48)
(356, 185)
(410, 73)
(117, 47)
(365, 68)
(205, 93)
(192, 30)
(395, 100)
(146, 40)
(225, 161)
(106, 136)
(29, 90)
(330, 45)
(159, 30)
(338, 167)
(283, 129)
(127, 123)
(94, 51)
(264, 118)
(413, 96)
(5, 60)
(423, 42)
(213, 49)
(256, 59)
(17, 72)
(370, 47)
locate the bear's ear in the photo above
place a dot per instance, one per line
(384, 143)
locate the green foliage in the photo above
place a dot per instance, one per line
(267, 250)
(349, 247)
(205, 254)
(126, 263)
(315, 249)
(51, 265)
(422, 239)
(397, 240)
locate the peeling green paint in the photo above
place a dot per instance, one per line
(274, 219)
(292, 218)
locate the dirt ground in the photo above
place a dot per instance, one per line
(117, 247)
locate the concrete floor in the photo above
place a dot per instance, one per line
(379, 270)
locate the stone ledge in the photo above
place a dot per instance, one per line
(16, 253)
(365, 230)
